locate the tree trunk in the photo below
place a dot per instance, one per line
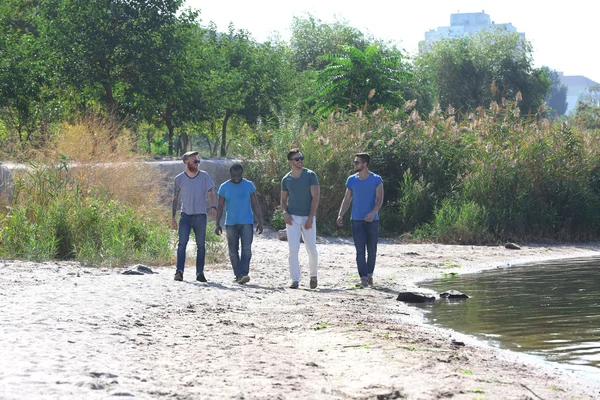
(110, 100)
(184, 138)
(167, 116)
(224, 134)
(171, 129)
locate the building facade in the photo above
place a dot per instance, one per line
(462, 24)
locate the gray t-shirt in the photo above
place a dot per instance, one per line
(192, 192)
(299, 197)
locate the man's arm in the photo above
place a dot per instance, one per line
(284, 201)
(174, 208)
(314, 204)
(257, 212)
(213, 202)
(344, 206)
(220, 208)
(378, 203)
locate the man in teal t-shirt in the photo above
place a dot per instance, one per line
(238, 197)
(299, 202)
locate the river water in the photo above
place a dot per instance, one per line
(550, 310)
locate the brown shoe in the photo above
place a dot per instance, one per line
(313, 282)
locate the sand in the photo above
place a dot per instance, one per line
(69, 331)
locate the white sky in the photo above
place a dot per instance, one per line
(564, 35)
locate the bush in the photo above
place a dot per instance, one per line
(51, 217)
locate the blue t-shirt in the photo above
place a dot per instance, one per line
(363, 195)
(299, 196)
(238, 204)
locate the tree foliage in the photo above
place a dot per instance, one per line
(473, 71)
(355, 79)
(557, 96)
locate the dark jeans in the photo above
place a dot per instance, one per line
(187, 223)
(235, 233)
(366, 235)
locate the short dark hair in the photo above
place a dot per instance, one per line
(293, 151)
(236, 167)
(364, 157)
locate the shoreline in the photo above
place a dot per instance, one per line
(70, 331)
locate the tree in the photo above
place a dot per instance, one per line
(311, 39)
(355, 79)
(557, 97)
(174, 83)
(253, 81)
(491, 65)
(103, 45)
(28, 93)
(587, 114)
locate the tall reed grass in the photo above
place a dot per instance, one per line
(488, 176)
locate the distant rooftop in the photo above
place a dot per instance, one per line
(577, 80)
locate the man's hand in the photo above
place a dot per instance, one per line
(340, 221)
(287, 218)
(370, 216)
(309, 222)
(173, 223)
(218, 229)
(213, 212)
(259, 228)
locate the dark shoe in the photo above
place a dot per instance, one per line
(201, 278)
(244, 279)
(370, 280)
(313, 282)
(236, 279)
(178, 276)
(294, 285)
(364, 283)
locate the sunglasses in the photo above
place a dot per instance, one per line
(298, 159)
(196, 161)
(356, 162)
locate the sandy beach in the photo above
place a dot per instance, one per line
(69, 331)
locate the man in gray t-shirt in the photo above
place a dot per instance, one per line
(299, 202)
(191, 186)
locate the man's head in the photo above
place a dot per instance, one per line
(236, 172)
(295, 158)
(361, 161)
(190, 159)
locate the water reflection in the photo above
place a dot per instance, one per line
(550, 310)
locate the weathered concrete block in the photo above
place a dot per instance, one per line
(7, 184)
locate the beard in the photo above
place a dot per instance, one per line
(193, 167)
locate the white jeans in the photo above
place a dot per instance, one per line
(294, 232)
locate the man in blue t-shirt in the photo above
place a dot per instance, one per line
(238, 197)
(299, 202)
(364, 190)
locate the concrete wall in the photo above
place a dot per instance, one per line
(7, 183)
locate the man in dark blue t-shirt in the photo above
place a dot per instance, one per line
(364, 190)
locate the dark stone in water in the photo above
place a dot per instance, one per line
(138, 270)
(415, 297)
(512, 246)
(453, 294)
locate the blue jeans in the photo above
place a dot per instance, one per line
(365, 235)
(235, 233)
(187, 223)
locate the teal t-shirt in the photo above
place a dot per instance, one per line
(299, 197)
(238, 204)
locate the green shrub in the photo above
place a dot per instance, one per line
(50, 218)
